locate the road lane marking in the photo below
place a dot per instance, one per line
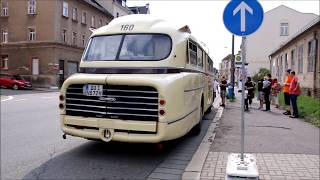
(9, 98)
(19, 100)
(50, 97)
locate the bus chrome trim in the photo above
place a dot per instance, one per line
(115, 90)
(174, 121)
(132, 108)
(85, 105)
(188, 90)
(136, 97)
(129, 114)
(98, 112)
(124, 102)
(77, 99)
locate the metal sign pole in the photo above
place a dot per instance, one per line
(243, 51)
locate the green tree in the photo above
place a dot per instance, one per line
(260, 74)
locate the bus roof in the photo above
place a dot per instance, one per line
(146, 23)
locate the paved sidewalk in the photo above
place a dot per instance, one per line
(285, 148)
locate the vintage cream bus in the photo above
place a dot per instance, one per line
(140, 80)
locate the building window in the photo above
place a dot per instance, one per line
(4, 34)
(311, 55)
(281, 67)
(65, 9)
(84, 18)
(31, 6)
(284, 29)
(64, 35)
(35, 66)
(74, 38)
(92, 21)
(300, 59)
(4, 9)
(74, 14)
(4, 61)
(83, 40)
(293, 58)
(286, 61)
(31, 34)
(100, 22)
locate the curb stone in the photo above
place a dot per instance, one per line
(193, 170)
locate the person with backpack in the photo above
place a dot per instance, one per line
(249, 86)
(294, 92)
(267, 83)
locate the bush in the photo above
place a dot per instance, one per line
(308, 107)
(260, 74)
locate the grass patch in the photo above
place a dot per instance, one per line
(308, 107)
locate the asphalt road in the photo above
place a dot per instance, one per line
(32, 146)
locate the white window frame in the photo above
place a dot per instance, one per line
(284, 29)
(84, 17)
(32, 5)
(32, 34)
(300, 58)
(100, 23)
(4, 61)
(64, 33)
(65, 9)
(35, 66)
(93, 19)
(83, 40)
(74, 38)
(4, 9)
(74, 14)
(4, 35)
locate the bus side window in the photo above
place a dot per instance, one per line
(199, 58)
(192, 54)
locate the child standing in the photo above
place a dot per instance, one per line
(275, 90)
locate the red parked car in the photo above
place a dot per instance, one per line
(14, 81)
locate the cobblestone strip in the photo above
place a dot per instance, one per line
(270, 166)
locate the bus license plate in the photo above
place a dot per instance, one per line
(93, 90)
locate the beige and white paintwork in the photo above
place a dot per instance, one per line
(182, 91)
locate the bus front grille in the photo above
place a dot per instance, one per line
(117, 102)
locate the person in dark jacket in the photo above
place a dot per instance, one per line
(260, 93)
(266, 91)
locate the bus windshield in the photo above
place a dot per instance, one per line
(129, 47)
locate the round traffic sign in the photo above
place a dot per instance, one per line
(243, 17)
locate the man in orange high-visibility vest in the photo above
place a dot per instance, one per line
(286, 87)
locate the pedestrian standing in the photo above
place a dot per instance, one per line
(260, 93)
(250, 87)
(286, 95)
(223, 90)
(275, 90)
(267, 83)
(294, 92)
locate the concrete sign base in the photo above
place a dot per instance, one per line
(238, 169)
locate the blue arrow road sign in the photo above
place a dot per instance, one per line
(243, 17)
